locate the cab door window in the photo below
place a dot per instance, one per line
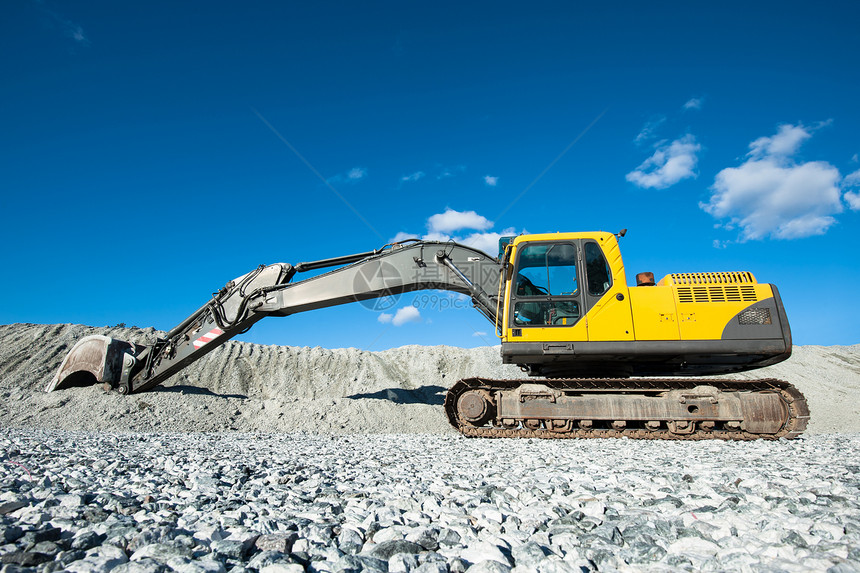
(561, 270)
(547, 286)
(599, 277)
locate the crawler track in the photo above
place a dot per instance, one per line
(794, 425)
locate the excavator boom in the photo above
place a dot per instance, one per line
(269, 291)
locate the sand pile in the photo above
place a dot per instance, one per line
(249, 387)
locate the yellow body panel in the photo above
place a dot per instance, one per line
(673, 311)
(654, 313)
(701, 319)
(610, 319)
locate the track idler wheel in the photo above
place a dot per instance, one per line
(476, 407)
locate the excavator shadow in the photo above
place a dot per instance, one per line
(183, 389)
(433, 395)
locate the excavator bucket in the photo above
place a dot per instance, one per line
(93, 358)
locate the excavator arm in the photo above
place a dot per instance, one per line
(270, 291)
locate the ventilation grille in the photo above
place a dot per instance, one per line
(755, 316)
(712, 278)
(728, 293)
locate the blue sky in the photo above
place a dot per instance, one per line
(150, 152)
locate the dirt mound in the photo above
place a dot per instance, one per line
(250, 387)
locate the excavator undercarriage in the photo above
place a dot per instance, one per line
(565, 315)
(672, 408)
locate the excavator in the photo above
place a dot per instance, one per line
(600, 358)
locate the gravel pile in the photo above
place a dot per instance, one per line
(79, 501)
(243, 387)
(254, 388)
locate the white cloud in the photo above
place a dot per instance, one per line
(491, 181)
(406, 314)
(401, 316)
(402, 236)
(693, 103)
(442, 237)
(785, 143)
(452, 220)
(855, 158)
(438, 171)
(851, 181)
(77, 34)
(647, 132)
(446, 172)
(772, 195)
(442, 227)
(480, 333)
(70, 29)
(668, 165)
(486, 242)
(356, 173)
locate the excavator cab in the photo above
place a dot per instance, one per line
(555, 286)
(567, 311)
(545, 269)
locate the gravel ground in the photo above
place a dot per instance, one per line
(99, 501)
(279, 459)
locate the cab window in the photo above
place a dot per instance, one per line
(599, 277)
(546, 272)
(561, 269)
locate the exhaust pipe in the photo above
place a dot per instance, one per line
(105, 359)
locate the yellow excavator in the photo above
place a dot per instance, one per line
(602, 359)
